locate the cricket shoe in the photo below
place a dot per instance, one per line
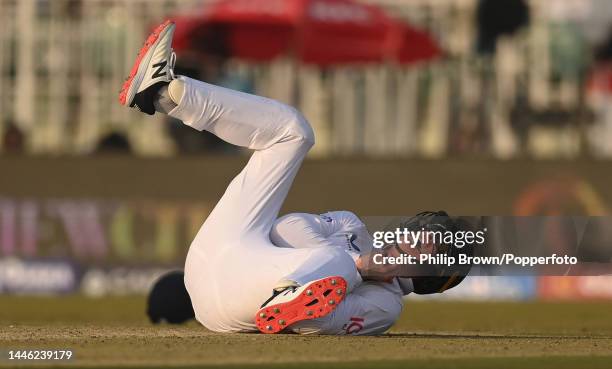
(153, 68)
(296, 303)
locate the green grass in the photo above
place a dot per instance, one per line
(558, 362)
(113, 333)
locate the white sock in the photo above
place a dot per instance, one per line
(176, 88)
(169, 96)
(285, 283)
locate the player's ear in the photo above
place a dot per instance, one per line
(169, 300)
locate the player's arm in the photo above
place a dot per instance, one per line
(371, 309)
(342, 221)
(301, 230)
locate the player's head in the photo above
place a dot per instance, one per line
(440, 277)
(169, 301)
(444, 277)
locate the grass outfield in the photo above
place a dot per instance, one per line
(113, 333)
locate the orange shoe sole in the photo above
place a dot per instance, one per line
(317, 300)
(143, 51)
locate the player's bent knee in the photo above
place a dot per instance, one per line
(300, 128)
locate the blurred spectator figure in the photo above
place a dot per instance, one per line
(494, 19)
(113, 143)
(600, 98)
(13, 140)
(499, 18)
(503, 91)
(604, 51)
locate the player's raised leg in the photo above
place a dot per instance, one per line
(232, 266)
(236, 233)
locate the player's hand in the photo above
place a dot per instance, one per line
(371, 271)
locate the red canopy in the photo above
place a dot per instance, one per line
(415, 45)
(322, 32)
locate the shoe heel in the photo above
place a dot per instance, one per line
(318, 299)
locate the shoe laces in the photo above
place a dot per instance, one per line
(171, 64)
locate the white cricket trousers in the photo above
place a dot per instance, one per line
(232, 266)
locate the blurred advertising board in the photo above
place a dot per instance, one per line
(524, 288)
(37, 276)
(99, 232)
(110, 225)
(96, 247)
(575, 288)
(490, 288)
(54, 277)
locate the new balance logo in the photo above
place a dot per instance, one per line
(159, 71)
